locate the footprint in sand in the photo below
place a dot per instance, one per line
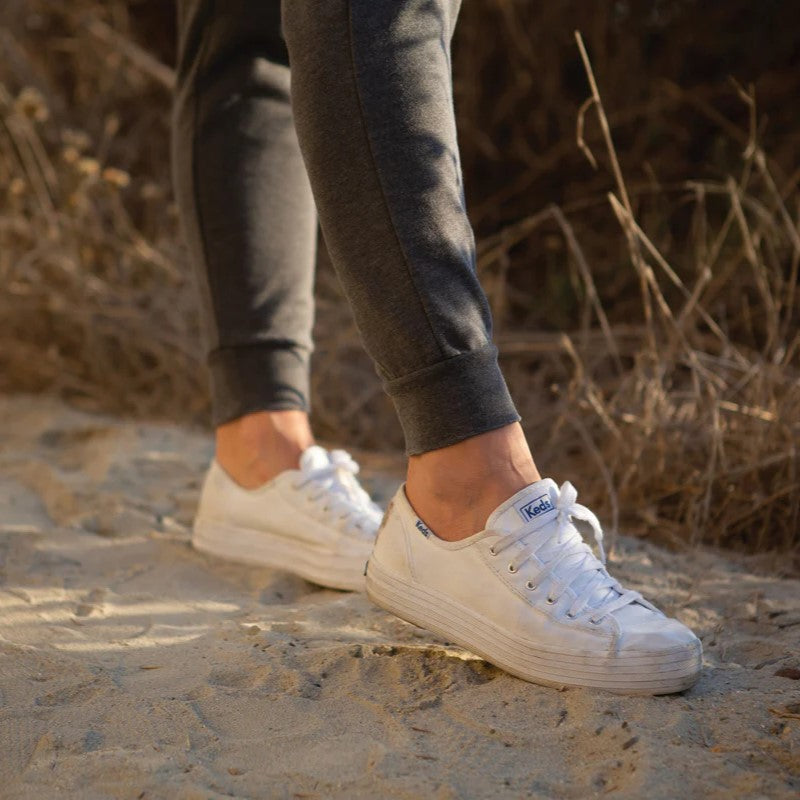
(412, 678)
(91, 604)
(70, 695)
(233, 678)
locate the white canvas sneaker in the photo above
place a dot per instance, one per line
(317, 522)
(528, 594)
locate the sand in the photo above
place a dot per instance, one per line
(133, 667)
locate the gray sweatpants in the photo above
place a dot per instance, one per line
(369, 137)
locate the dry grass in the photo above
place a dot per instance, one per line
(95, 302)
(695, 431)
(672, 396)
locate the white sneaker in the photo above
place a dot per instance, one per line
(528, 595)
(316, 521)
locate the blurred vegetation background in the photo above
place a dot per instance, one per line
(647, 320)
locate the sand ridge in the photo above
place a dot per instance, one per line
(133, 667)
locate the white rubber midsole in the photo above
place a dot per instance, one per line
(264, 548)
(629, 673)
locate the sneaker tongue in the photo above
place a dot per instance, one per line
(340, 482)
(314, 457)
(535, 502)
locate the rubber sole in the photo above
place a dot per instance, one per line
(641, 673)
(265, 548)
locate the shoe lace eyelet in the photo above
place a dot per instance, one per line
(492, 551)
(512, 569)
(549, 600)
(530, 585)
(594, 621)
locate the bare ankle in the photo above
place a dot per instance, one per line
(253, 449)
(454, 489)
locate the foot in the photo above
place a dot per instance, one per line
(255, 448)
(316, 521)
(527, 594)
(455, 488)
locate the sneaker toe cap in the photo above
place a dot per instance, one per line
(659, 635)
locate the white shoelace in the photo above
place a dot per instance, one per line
(597, 593)
(338, 492)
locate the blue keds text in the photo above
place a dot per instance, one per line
(535, 508)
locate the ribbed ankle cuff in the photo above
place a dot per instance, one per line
(453, 400)
(257, 377)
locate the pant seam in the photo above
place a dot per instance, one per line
(365, 130)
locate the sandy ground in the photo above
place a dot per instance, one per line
(133, 667)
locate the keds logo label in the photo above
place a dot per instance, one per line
(421, 527)
(535, 508)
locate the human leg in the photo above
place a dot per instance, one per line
(374, 111)
(250, 223)
(270, 497)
